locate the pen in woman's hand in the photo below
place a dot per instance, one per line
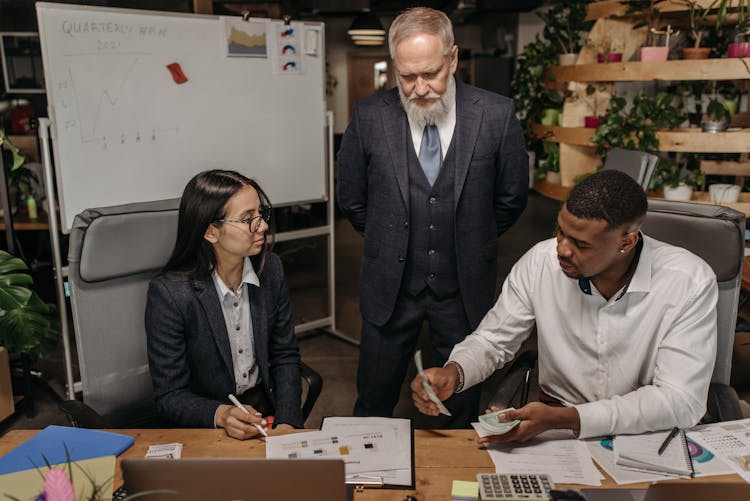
(243, 409)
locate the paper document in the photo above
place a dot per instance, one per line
(426, 384)
(361, 450)
(555, 452)
(641, 452)
(705, 463)
(730, 440)
(164, 451)
(399, 471)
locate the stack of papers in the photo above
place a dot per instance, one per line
(556, 452)
(374, 450)
(729, 440)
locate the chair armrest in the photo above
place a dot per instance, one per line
(81, 415)
(314, 386)
(723, 404)
(519, 376)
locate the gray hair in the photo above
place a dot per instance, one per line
(420, 20)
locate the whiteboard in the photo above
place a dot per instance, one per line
(124, 130)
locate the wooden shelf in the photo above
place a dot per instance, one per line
(678, 140)
(551, 190)
(25, 224)
(704, 69)
(702, 197)
(608, 8)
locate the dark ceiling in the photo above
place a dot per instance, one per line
(19, 15)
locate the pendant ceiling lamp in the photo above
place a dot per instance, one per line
(366, 29)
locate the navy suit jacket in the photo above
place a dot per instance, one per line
(189, 354)
(491, 187)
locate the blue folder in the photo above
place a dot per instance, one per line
(50, 444)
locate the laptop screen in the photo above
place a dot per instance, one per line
(221, 479)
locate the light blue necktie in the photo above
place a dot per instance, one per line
(430, 153)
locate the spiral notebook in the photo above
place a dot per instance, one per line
(640, 452)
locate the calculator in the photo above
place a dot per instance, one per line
(514, 486)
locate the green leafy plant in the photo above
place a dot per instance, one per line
(699, 18)
(27, 324)
(17, 175)
(564, 24)
(551, 161)
(668, 174)
(635, 128)
(648, 15)
(742, 28)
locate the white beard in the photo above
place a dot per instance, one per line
(427, 115)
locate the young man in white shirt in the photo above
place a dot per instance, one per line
(626, 324)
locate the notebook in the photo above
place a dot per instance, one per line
(49, 446)
(640, 452)
(225, 479)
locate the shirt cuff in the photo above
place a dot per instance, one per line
(216, 414)
(595, 420)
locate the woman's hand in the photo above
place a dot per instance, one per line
(238, 424)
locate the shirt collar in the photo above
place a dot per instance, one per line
(641, 279)
(248, 277)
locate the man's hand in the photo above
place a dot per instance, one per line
(535, 418)
(443, 381)
(237, 424)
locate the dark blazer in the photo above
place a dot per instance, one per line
(189, 354)
(491, 187)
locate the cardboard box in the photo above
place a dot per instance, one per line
(6, 390)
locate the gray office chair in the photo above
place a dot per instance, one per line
(114, 252)
(716, 234)
(637, 164)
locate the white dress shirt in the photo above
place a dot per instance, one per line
(236, 308)
(641, 361)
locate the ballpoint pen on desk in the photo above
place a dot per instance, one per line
(244, 409)
(672, 434)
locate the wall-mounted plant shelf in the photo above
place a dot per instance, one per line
(704, 69)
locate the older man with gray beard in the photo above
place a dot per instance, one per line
(430, 174)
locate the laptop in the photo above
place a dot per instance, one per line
(220, 479)
(693, 490)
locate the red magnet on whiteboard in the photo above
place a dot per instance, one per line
(177, 74)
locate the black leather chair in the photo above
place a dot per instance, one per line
(716, 234)
(114, 252)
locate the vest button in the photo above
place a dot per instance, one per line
(401, 259)
(433, 200)
(406, 224)
(431, 252)
(431, 276)
(431, 227)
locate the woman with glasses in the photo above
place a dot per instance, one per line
(218, 318)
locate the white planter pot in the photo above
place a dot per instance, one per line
(724, 193)
(567, 59)
(682, 192)
(554, 177)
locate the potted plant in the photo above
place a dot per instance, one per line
(27, 324)
(717, 115)
(698, 25)
(549, 166)
(606, 50)
(741, 47)
(691, 93)
(678, 181)
(649, 15)
(564, 23)
(19, 177)
(635, 128)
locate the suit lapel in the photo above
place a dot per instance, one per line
(395, 127)
(468, 120)
(209, 299)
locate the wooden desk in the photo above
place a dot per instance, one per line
(440, 456)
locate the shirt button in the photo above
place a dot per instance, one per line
(236, 305)
(244, 374)
(237, 327)
(431, 252)
(433, 199)
(240, 350)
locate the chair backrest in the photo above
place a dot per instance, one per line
(717, 235)
(114, 252)
(637, 164)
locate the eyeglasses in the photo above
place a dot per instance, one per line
(253, 222)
